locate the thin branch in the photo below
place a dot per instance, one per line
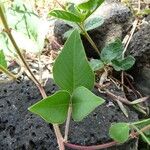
(94, 147)
(11, 75)
(89, 38)
(126, 46)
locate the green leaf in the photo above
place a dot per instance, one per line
(53, 109)
(90, 5)
(96, 64)
(93, 23)
(124, 64)
(71, 7)
(71, 68)
(84, 102)
(68, 33)
(29, 35)
(65, 15)
(119, 132)
(2, 59)
(6, 45)
(111, 51)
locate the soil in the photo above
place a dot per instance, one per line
(22, 130)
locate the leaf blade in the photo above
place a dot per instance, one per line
(71, 68)
(53, 109)
(119, 132)
(124, 64)
(96, 64)
(3, 61)
(65, 15)
(84, 102)
(93, 23)
(111, 51)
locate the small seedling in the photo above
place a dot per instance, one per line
(75, 78)
(111, 55)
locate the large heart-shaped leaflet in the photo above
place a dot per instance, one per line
(84, 102)
(53, 109)
(71, 68)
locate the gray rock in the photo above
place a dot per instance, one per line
(140, 48)
(117, 18)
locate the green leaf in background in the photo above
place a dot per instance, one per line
(90, 5)
(93, 23)
(124, 64)
(146, 11)
(68, 33)
(29, 35)
(84, 102)
(6, 45)
(2, 59)
(119, 132)
(53, 109)
(71, 68)
(96, 64)
(71, 7)
(65, 15)
(111, 51)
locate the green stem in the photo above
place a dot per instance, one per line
(88, 38)
(68, 122)
(11, 75)
(141, 121)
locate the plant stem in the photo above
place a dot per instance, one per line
(145, 128)
(140, 122)
(141, 132)
(11, 75)
(88, 38)
(94, 147)
(68, 122)
(41, 89)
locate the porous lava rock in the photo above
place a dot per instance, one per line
(22, 130)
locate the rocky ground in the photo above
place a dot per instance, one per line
(21, 130)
